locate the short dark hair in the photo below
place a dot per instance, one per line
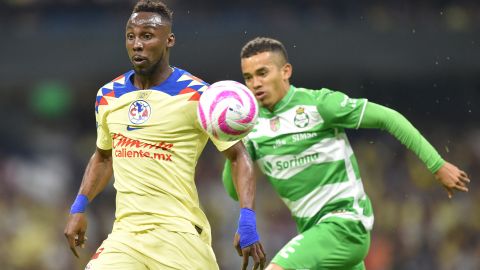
(154, 6)
(263, 44)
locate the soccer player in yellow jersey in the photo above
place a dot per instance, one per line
(149, 138)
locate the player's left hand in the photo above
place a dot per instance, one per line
(255, 250)
(452, 178)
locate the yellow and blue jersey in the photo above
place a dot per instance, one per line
(156, 141)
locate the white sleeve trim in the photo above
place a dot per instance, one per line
(361, 115)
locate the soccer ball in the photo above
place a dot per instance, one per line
(227, 110)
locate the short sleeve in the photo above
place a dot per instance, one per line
(222, 145)
(339, 110)
(104, 140)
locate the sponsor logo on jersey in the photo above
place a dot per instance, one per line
(301, 119)
(296, 161)
(139, 112)
(125, 147)
(130, 128)
(267, 166)
(279, 143)
(303, 136)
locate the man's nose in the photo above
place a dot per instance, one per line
(137, 45)
(257, 82)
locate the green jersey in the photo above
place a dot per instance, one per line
(302, 148)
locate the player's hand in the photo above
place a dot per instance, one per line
(75, 231)
(255, 250)
(452, 178)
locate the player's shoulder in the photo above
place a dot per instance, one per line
(183, 82)
(114, 89)
(184, 75)
(313, 92)
(312, 95)
(118, 86)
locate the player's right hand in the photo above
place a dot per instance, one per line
(255, 250)
(75, 231)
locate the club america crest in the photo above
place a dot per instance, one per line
(301, 119)
(275, 123)
(139, 112)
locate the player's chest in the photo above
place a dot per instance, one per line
(152, 114)
(296, 126)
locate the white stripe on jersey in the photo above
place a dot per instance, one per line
(310, 204)
(326, 150)
(286, 123)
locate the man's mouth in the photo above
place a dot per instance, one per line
(137, 59)
(260, 94)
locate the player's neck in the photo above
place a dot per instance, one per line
(147, 81)
(283, 92)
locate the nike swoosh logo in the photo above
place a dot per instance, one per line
(130, 128)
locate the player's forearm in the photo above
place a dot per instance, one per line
(377, 116)
(97, 174)
(244, 180)
(242, 173)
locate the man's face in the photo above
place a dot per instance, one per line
(148, 37)
(267, 75)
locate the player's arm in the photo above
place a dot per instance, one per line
(97, 174)
(247, 241)
(377, 116)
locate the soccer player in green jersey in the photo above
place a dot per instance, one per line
(299, 143)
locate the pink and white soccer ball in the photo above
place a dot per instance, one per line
(227, 110)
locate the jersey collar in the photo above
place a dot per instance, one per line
(172, 78)
(285, 100)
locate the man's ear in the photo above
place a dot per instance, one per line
(287, 70)
(170, 40)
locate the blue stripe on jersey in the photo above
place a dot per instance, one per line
(171, 86)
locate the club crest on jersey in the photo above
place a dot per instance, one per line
(301, 119)
(275, 123)
(139, 112)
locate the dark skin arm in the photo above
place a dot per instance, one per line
(244, 181)
(97, 175)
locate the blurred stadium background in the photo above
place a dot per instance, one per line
(421, 58)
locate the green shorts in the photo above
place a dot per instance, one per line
(335, 243)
